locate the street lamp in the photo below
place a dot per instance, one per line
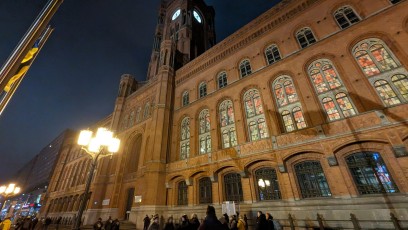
(7, 191)
(102, 144)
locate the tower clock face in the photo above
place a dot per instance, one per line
(176, 14)
(197, 16)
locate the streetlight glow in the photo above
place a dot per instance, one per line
(104, 136)
(3, 189)
(94, 145)
(84, 137)
(114, 145)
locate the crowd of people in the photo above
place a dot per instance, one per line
(25, 223)
(211, 222)
(109, 224)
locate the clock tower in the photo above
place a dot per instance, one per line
(188, 25)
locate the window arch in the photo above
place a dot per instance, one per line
(139, 114)
(182, 193)
(272, 54)
(185, 98)
(227, 124)
(288, 103)
(370, 173)
(202, 90)
(205, 190)
(345, 17)
(255, 115)
(233, 187)
(383, 69)
(331, 92)
(245, 68)
(222, 80)
(311, 179)
(146, 112)
(185, 139)
(305, 37)
(204, 134)
(267, 183)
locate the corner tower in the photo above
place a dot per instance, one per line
(189, 24)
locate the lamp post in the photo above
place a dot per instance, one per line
(7, 191)
(101, 144)
(263, 185)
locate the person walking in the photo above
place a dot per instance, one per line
(241, 225)
(146, 222)
(6, 223)
(115, 225)
(210, 222)
(155, 225)
(194, 222)
(169, 224)
(108, 223)
(246, 222)
(261, 223)
(98, 224)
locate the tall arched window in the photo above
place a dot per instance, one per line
(305, 37)
(245, 68)
(185, 139)
(311, 179)
(146, 112)
(383, 69)
(204, 134)
(134, 154)
(139, 114)
(288, 103)
(182, 193)
(233, 187)
(227, 124)
(272, 54)
(255, 115)
(345, 17)
(330, 90)
(267, 183)
(370, 173)
(185, 98)
(132, 118)
(222, 80)
(202, 89)
(205, 190)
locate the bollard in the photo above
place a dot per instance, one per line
(320, 220)
(291, 222)
(355, 222)
(395, 221)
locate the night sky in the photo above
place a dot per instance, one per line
(74, 80)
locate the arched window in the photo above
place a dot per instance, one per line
(182, 193)
(134, 154)
(233, 187)
(311, 179)
(204, 134)
(132, 118)
(139, 114)
(185, 98)
(255, 115)
(345, 17)
(305, 37)
(330, 90)
(267, 183)
(222, 80)
(245, 68)
(185, 139)
(202, 89)
(146, 112)
(288, 103)
(227, 124)
(383, 69)
(272, 54)
(205, 190)
(370, 173)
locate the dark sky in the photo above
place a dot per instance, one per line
(74, 79)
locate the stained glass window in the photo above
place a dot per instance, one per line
(272, 54)
(227, 124)
(233, 187)
(288, 121)
(185, 139)
(345, 17)
(299, 118)
(345, 105)
(267, 183)
(401, 84)
(182, 193)
(305, 37)
(331, 109)
(202, 90)
(245, 68)
(205, 190)
(186, 98)
(370, 173)
(255, 115)
(312, 181)
(386, 93)
(204, 132)
(222, 80)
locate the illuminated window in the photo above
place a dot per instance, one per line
(202, 89)
(345, 105)
(186, 98)
(185, 139)
(255, 115)
(345, 16)
(222, 80)
(370, 173)
(386, 93)
(272, 54)
(267, 183)
(227, 124)
(311, 179)
(305, 37)
(204, 132)
(245, 68)
(182, 193)
(401, 84)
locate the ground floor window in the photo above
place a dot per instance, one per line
(311, 179)
(233, 187)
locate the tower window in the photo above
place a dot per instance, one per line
(222, 80)
(202, 90)
(345, 17)
(305, 37)
(197, 16)
(176, 14)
